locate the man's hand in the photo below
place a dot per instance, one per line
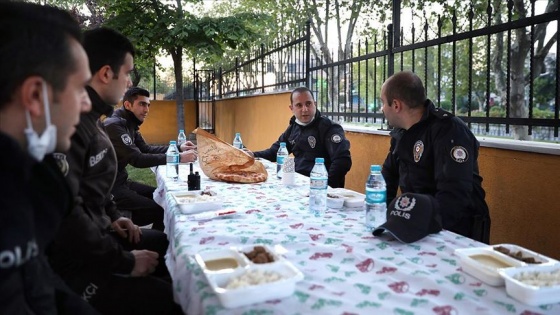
(188, 156)
(145, 262)
(187, 146)
(125, 228)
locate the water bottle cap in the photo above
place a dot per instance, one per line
(319, 160)
(172, 142)
(181, 130)
(237, 134)
(282, 144)
(375, 168)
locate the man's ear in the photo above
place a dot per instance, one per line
(397, 105)
(105, 74)
(30, 95)
(127, 105)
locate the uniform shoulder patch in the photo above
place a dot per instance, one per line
(336, 138)
(459, 154)
(126, 139)
(62, 163)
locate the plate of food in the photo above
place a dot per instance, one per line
(535, 284)
(484, 263)
(351, 199)
(248, 275)
(523, 254)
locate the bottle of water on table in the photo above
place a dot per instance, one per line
(280, 156)
(181, 138)
(172, 161)
(318, 183)
(376, 198)
(237, 142)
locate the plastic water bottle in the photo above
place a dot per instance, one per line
(318, 183)
(280, 156)
(376, 197)
(172, 161)
(181, 138)
(237, 142)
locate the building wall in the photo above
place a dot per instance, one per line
(521, 187)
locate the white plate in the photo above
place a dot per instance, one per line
(529, 294)
(478, 262)
(192, 202)
(283, 275)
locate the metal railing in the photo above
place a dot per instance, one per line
(470, 63)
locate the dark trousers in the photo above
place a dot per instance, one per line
(141, 295)
(138, 199)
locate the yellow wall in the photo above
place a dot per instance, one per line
(521, 187)
(161, 124)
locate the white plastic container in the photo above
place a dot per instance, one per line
(286, 275)
(529, 294)
(527, 253)
(192, 202)
(351, 198)
(204, 260)
(484, 263)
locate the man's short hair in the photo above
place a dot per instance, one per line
(301, 89)
(35, 41)
(407, 87)
(131, 94)
(105, 46)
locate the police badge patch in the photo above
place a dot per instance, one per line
(405, 203)
(418, 150)
(61, 163)
(459, 154)
(336, 138)
(126, 139)
(312, 141)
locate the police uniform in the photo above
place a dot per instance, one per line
(87, 253)
(438, 156)
(123, 130)
(33, 200)
(320, 138)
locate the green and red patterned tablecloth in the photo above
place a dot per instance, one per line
(346, 269)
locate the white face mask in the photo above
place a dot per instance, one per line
(37, 145)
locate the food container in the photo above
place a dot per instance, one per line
(484, 263)
(334, 201)
(351, 198)
(195, 202)
(525, 255)
(250, 282)
(221, 260)
(532, 294)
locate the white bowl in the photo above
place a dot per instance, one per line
(484, 263)
(192, 202)
(529, 294)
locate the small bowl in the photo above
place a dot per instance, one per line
(531, 294)
(192, 202)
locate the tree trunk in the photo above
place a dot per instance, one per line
(177, 55)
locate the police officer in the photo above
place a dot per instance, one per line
(433, 152)
(311, 135)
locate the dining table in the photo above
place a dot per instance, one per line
(346, 270)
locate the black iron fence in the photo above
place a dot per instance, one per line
(496, 68)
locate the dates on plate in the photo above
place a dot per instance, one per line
(259, 255)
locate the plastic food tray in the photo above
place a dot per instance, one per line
(528, 294)
(193, 202)
(542, 259)
(351, 198)
(257, 293)
(485, 273)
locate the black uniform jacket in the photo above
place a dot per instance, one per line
(321, 138)
(33, 200)
(85, 254)
(122, 128)
(438, 156)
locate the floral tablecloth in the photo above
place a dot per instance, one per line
(346, 269)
